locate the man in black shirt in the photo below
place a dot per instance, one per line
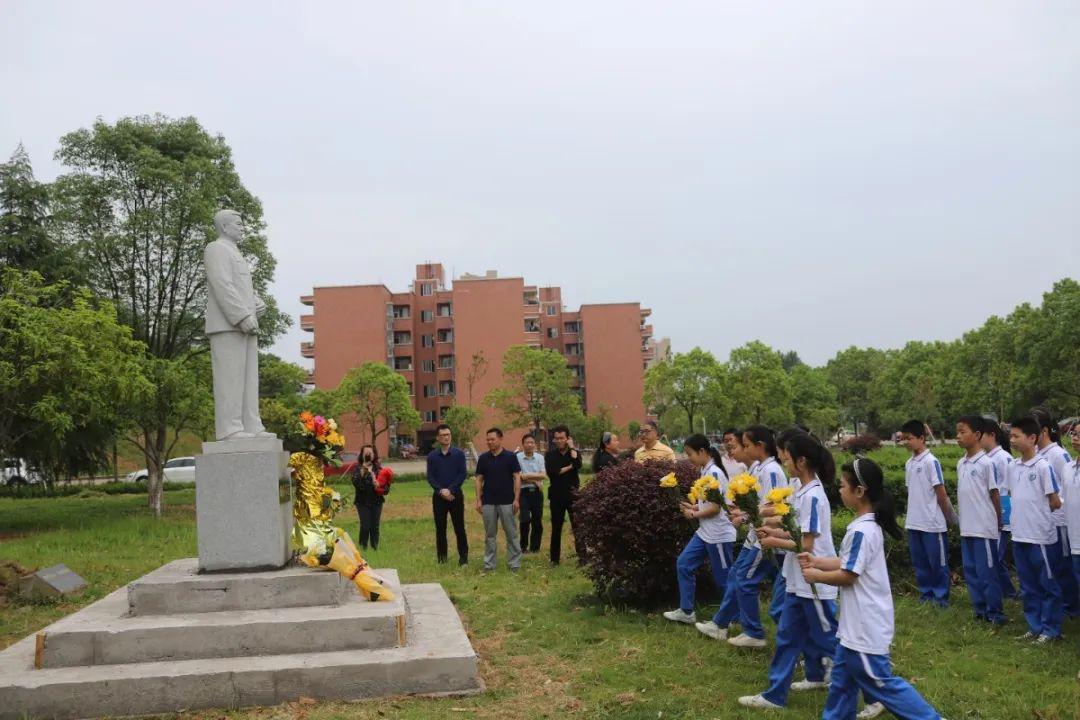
(498, 488)
(562, 464)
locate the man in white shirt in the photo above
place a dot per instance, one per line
(928, 514)
(531, 520)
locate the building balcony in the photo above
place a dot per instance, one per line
(308, 300)
(646, 331)
(307, 349)
(309, 379)
(444, 322)
(307, 322)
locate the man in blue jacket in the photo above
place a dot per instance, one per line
(446, 475)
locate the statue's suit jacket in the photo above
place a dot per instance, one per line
(231, 296)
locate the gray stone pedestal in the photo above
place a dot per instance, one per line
(243, 505)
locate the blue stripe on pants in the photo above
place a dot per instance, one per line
(1061, 562)
(929, 555)
(980, 573)
(755, 570)
(807, 626)
(853, 671)
(1042, 594)
(691, 558)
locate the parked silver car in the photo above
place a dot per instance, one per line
(181, 469)
(18, 472)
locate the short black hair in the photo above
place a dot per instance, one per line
(440, 427)
(1027, 425)
(652, 424)
(975, 423)
(560, 429)
(731, 431)
(915, 428)
(527, 436)
(495, 430)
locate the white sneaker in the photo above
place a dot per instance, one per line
(1044, 640)
(871, 711)
(1027, 636)
(803, 685)
(681, 616)
(758, 702)
(745, 641)
(712, 630)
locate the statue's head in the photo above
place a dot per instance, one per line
(229, 224)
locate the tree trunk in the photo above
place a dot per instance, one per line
(115, 467)
(155, 466)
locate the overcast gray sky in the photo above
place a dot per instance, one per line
(813, 175)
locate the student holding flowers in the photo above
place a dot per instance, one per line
(715, 536)
(807, 623)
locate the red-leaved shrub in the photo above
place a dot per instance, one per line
(633, 531)
(862, 443)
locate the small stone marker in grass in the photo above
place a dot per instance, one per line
(51, 582)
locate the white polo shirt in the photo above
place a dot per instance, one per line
(770, 476)
(999, 464)
(1058, 457)
(866, 607)
(922, 473)
(974, 481)
(812, 513)
(1070, 496)
(718, 528)
(1031, 482)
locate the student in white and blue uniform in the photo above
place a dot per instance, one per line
(1070, 496)
(1035, 494)
(995, 442)
(980, 521)
(928, 514)
(808, 619)
(1061, 552)
(714, 539)
(752, 568)
(866, 608)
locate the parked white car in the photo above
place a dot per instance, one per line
(181, 469)
(18, 472)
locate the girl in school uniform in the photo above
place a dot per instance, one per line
(808, 619)
(715, 536)
(752, 567)
(866, 617)
(995, 442)
(1060, 553)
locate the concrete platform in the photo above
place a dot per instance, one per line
(178, 587)
(437, 658)
(106, 634)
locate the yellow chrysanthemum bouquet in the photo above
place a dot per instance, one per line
(669, 484)
(782, 509)
(706, 488)
(744, 493)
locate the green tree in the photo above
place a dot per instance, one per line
(280, 379)
(759, 389)
(911, 386)
(1049, 349)
(691, 382)
(138, 204)
(587, 429)
(68, 372)
(379, 398)
(536, 390)
(853, 372)
(464, 422)
(814, 401)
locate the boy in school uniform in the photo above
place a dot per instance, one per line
(980, 521)
(1060, 554)
(995, 442)
(928, 514)
(1034, 498)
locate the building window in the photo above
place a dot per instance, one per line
(532, 325)
(573, 349)
(443, 309)
(403, 363)
(429, 416)
(410, 389)
(426, 316)
(425, 288)
(552, 309)
(571, 327)
(446, 387)
(428, 366)
(401, 312)
(442, 412)
(403, 338)
(430, 391)
(445, 336)
(579, 371)
(427, 340)
(553, 332)
(530, 298)
(446, 362)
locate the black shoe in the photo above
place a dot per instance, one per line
(442, 561)
(462, 561)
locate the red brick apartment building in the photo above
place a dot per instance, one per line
(430, 333)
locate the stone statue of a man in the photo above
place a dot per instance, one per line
(232, 325)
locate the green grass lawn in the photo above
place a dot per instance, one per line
(547, 647)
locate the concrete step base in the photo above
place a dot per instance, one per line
(105, 634)
(178, 587)
(436, 659)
